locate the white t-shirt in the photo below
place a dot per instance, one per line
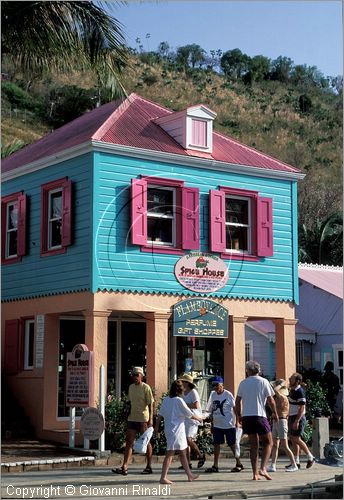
(191, 425)
(254, 391)
(175, 412)
(221, 407)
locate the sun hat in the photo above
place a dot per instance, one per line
(217, 380)
(280, 386)
(137, 369)
(186, 377)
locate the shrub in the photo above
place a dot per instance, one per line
(115, 422)
(316, 405)
(16, 96)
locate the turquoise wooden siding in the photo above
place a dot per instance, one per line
(119, 265)
(67, 272)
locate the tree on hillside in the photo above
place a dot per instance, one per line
(234, 63)
(258, 69)
(281, 69)
(39, 36)
(190, 55)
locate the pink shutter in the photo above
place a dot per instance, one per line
(12, 347)
(190, 218)
(21, 246)
(264, 228)
(66, 237)
(199, 133)
(3, 230)
(217, 219)
(138, 212)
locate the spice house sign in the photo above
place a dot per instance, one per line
(201, 272)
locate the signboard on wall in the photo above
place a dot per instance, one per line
(40, 322)
(201, 272)
(79, 371)
(200, 318)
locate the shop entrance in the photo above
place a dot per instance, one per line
(126, 348)
(201, 356)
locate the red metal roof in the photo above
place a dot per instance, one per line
(130, 122)
(328, 278)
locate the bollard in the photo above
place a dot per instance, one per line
(320, 436)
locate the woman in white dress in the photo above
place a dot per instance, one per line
(192, 400)
(174, 412)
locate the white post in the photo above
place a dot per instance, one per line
(102, 403)
(86, 444)
(71, 426)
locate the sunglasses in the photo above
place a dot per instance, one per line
(136, 374)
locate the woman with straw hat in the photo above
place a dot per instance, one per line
(280, 428)
(192, 400)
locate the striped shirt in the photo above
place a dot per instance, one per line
(297, 398)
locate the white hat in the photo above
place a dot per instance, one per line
(280, 386)
(137, 369)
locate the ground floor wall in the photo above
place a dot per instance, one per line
(108, 314)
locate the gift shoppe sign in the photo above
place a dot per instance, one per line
(201, 272)
(200, 318)
(79, 371)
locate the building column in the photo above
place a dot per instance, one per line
(157, 351)
(234, 353)
(96, 336)
(285, 347)
(50, 370)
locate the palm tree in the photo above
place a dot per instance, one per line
(45, 36)
(322, 244)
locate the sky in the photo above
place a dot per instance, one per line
(309, 32)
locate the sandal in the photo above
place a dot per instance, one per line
(237, 468)
(147, 470)
(120, 470)
(201, 461)
(213, 468)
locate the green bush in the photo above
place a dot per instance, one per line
(316, 405)
(115, 422)
(16, 96)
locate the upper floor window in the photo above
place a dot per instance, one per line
(13, 214)
(199, 133)
(165, 215)
(161, 215)
(240, 224)
(56, 214)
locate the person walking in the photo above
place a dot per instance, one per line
(220, 407)
(253, 394)
(139, 419)
(297, 419)
(175, 412)
(192, 400)
(280, 428)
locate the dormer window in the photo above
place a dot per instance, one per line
(192, 128)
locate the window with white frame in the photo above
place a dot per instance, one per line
(55, 219)
(29, 336)
(161, 220)
(11, 229)
(248, 350)
(299, 356)
(238, 224)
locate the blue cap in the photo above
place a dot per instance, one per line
(217, 380)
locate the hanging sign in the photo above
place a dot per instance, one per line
(201, 272)
(200, 318)
(79, 371)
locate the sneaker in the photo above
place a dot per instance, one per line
(271, 468)
(298, 466)
(310, 462)
(291, 468)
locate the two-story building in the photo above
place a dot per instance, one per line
(96, 218)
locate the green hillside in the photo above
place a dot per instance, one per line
(296, 122)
